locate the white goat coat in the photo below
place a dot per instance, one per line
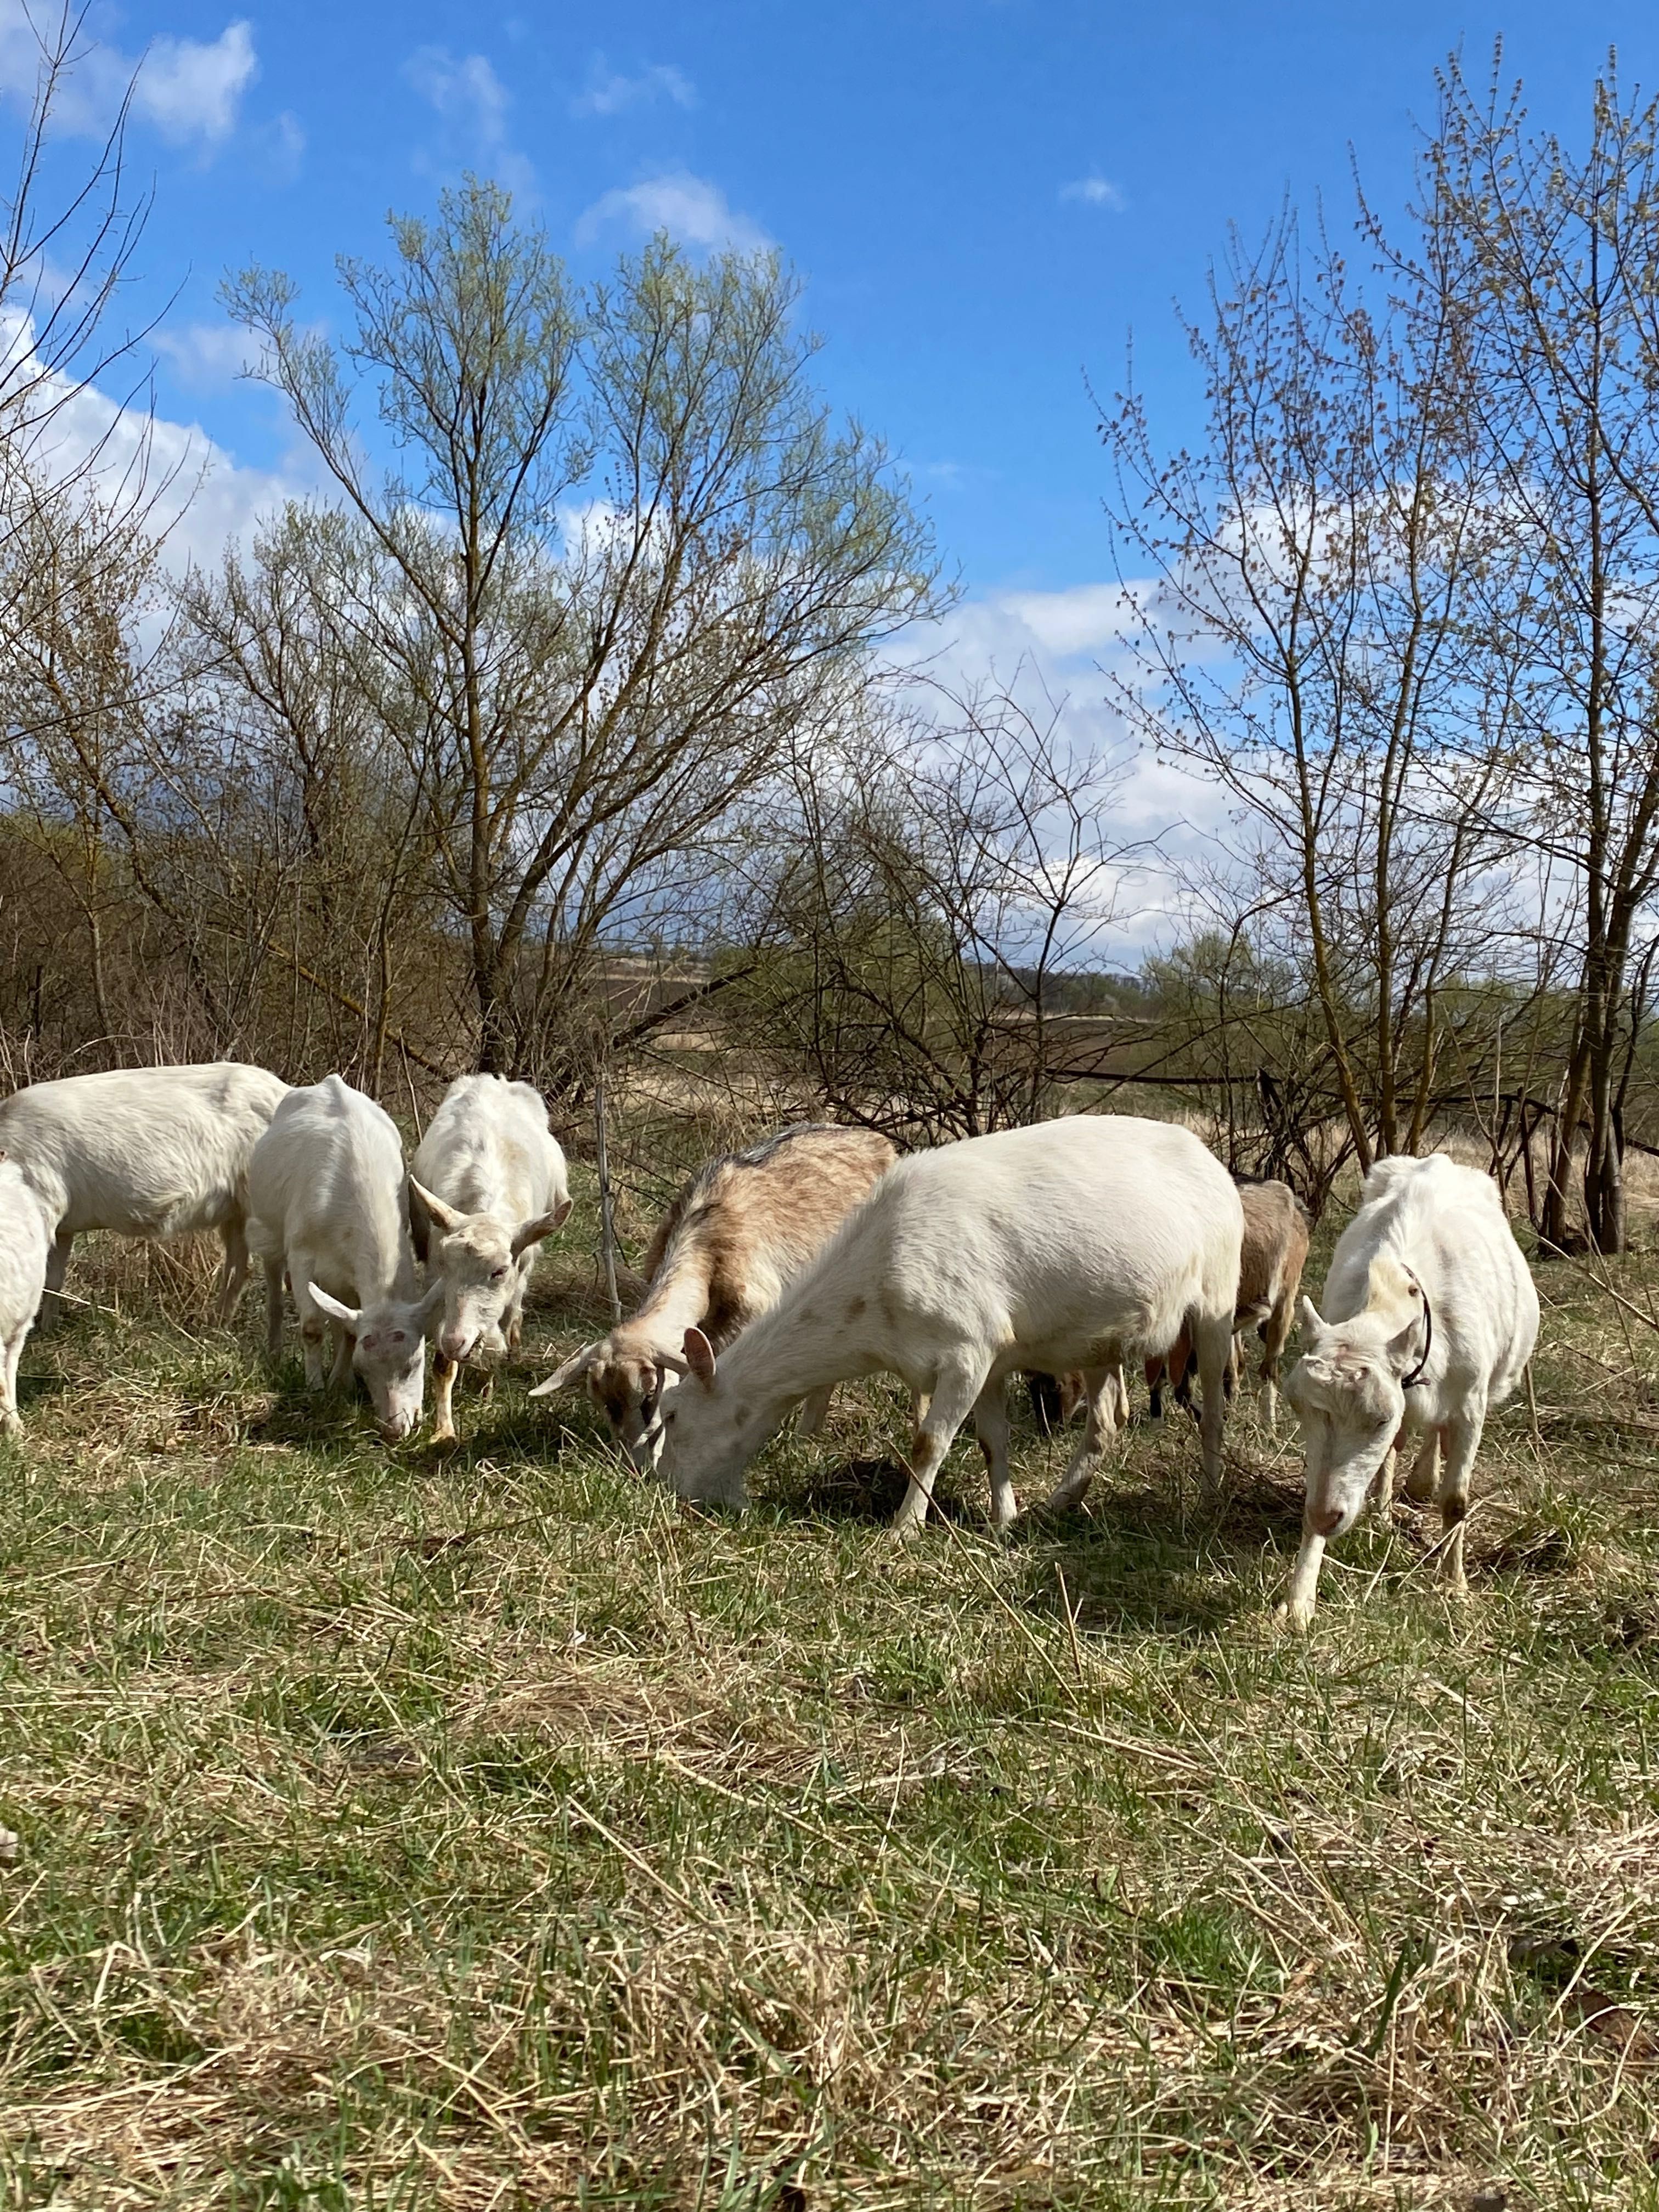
(491, 1165)
(325, 1191)
(489, 1149)
(144, 1151)
(1072, 1245)
(23, 1245)
(329, 1202)
(1441, 1227)
(1446, 1222)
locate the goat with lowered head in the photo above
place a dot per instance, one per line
(329, 1205)
(488, 1183)
(1430, 1319)
(737, 1234)
(1069, 1245)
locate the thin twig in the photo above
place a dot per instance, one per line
(1071, 1617)
(1531, 1411)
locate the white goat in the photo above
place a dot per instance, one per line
(489, 1178)
(23, 1247)
(328, 1202)
(145, 1152)
(1072, 1245)
(1430, 1318)
(740, 1231)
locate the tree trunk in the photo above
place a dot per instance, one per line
(1604, 1185)
(497, 1041)
(1566, 1128)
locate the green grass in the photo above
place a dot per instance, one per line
(485, 1831)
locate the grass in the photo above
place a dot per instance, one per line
(399, 1830)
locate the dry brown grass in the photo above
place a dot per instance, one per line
(482, 1831)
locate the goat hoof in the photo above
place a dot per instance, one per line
(1295, 1615)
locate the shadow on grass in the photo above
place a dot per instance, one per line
(313, 1419)
(1132, 1562)
(870, 1491)
(38, 1389)
(490, 1430)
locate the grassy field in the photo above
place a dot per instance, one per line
(485, 1831)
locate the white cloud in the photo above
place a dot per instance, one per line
(1086, 619)
(206, 355)
(689, 208)
(1095, 192)
(467, 92)
(472, 103)
(189, 89)
(608, 93)
(215, 500)
(1055, 651)
(191, 488)
(280, 145)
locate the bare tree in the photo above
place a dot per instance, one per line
(1305, 639)
(619, 557)
(1558, 253)
(941, 880)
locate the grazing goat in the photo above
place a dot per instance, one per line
(23, 1247)
(1275, 1251)
(1431, 1318)
(328, 1202)
(145, 1152)
(739, 1232)
(1066, 1245)
(490, 1177)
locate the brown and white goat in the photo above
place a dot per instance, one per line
(1274, 1253)
(737, 1235)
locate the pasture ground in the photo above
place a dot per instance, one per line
(478, 1832)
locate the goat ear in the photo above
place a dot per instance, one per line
(700, 1356)
(531, 1232)
(1405, 1348)
(430, 1306)
(443, 1218)
(573, 1371)
(1308, 1314)
(1389, 1286)
(348, 1317)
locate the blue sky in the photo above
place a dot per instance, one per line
(983, 199)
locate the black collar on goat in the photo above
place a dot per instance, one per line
(1412, 1380)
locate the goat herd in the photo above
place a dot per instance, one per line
(1067, 1249)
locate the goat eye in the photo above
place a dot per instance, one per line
(498, 1275)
